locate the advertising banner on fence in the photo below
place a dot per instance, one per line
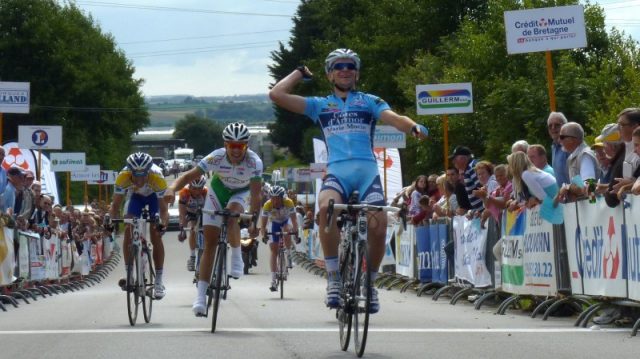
(52, 257)
(552, 28)
(512, 253)
(404, 250)
(423, 249)
(573, 251)
(388, 258)
(633, 247)
(438, 234)
(601, 258)
(471, 241)
(37, 260)
(539, 255)
(439, 99)
(66, 258)
(7, 257)
(15, 97)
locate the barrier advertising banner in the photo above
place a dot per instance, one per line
(633, 247)
(66, 258)
(404, 250)
(388, 258)
(423, 254)
(512, 254)
(471, 241)
(571, 225)
(52, 257)
(7, 257)
(439, 234)
(600, 252)
(539, 255)
(37, 260)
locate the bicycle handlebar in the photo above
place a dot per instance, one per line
(359, 207)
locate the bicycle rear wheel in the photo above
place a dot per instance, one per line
(362, 297)
(133, 298)
(281, 271)
(344, 314)
(218, 283)
(149, 281)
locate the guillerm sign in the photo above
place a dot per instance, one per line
(440, 99)
(552, 28)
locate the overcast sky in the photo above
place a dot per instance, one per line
(222, 47)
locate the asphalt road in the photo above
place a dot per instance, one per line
(253, 322)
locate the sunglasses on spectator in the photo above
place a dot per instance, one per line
(236, 145)
(562, 137)
(344, 66)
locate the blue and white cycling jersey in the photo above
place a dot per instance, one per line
(347, 126)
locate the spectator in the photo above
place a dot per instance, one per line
(40, 217)
(581, 163)
(615, 150)
(460, 192)
(636, 145)
(3, 172)
(308, 220)
(419, 190)
(541, 185)
(12, 194)
(465, 163)
(558, 157)
(426, 212)
(433, 191)
(538, 156)
(604, 163)
(628, 121)
(496, 200)
(447, 205)
(520, 145)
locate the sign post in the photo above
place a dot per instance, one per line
(14, 98)
(545, 29)
(444, 99)
(40, 138)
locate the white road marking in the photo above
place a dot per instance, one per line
(314, 330)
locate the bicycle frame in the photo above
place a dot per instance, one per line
(282, 273)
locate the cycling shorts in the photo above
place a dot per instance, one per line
(278, 227)
(137, 202)
(218, 201)
(342, 178)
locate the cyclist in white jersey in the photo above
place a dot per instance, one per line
(235, 184)
(347, 118)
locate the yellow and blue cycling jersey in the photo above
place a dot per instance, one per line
(279, 215)
(155, 183)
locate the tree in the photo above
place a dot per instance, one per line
(79, 79)
(204, 135)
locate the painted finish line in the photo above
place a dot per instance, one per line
(316, 330)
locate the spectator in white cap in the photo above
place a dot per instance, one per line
(614, 148)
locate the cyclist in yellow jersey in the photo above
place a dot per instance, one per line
(282, 213)
(147, 186)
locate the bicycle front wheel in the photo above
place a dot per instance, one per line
(218, 283)
(362, 297)
(133, 297)
(149, 281)
(344, 313)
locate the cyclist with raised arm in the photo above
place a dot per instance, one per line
(282, 213)
(347, 119)
(190, 201)
(147, 186)
(235, 184)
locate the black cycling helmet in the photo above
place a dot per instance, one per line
(139, 163)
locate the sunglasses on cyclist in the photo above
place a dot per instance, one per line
(236, 145)
(344, 66)
(139, 173)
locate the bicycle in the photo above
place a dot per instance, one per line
(353, 254)
(199, 244)
(140, 279)
(219, 279)
(282, 260)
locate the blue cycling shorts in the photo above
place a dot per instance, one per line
(278, 227)
(138, 202)
(345, 177)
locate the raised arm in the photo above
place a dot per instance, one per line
(404, 124)
(281, 95)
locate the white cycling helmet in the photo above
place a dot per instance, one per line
(139, 162)
(198, 183)
(277, 191)
(237, 132)
(341, 54)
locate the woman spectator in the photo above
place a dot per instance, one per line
(496, 200)
(419, 190)
(447, 204)
(541, 185)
